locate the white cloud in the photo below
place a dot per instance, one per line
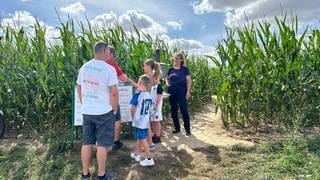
(25, 19)
(207, 6)
(186, 44)
(175, 25)
(237, 12)
(73, 9)
(130, 18)
(194, 47)
(142, 22)
(104, 20)
(19, 19)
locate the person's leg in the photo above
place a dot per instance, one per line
(86, 152)
(138, 147)
(148, 160)
(136, 154)
(101, 158)
(88, 138)
(145, 145)
(174, 111)
(117, 128)
(156, 125)
(105, 137)
(184, 112)
(149, 138)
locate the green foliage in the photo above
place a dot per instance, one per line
(269, 77)
(19, 162)
(288, 159)
(204, 80)
(268, 147)
(241, 148)
(313, 145)
(37, 77)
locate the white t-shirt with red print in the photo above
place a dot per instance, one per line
(95, 78)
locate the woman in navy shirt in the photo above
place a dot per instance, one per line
(179, 87)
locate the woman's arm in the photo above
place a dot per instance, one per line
(167, 81)
(189, 82)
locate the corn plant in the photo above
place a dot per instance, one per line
(269, 77)
(37, 77)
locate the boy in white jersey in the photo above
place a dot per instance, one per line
(141, 105)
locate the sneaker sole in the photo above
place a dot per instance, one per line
(144, 165)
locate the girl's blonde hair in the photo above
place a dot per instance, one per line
(156, 69)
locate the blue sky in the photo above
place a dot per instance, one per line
(196, 25)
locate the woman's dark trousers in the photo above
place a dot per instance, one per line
(178, 98)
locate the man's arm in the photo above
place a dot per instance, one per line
(114, 97)
(125, 78)
(79, 93)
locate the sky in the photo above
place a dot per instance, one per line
(194, 25)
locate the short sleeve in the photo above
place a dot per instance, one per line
(118, 69)
(169, 71)
(187, 71)
(134, 100)
(112, 77)
(79, 77)
(159, 89)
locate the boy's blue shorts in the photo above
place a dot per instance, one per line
(141, 133)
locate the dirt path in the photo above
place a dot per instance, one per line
(193, 153)
(178, 156)
(206, 128)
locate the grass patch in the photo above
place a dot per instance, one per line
(241, 148)
(270, 147)
(290, 159)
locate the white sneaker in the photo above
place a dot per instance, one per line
(147, 162)
(152, 147)
(135, 157)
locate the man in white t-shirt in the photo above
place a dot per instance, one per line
(98, 93)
